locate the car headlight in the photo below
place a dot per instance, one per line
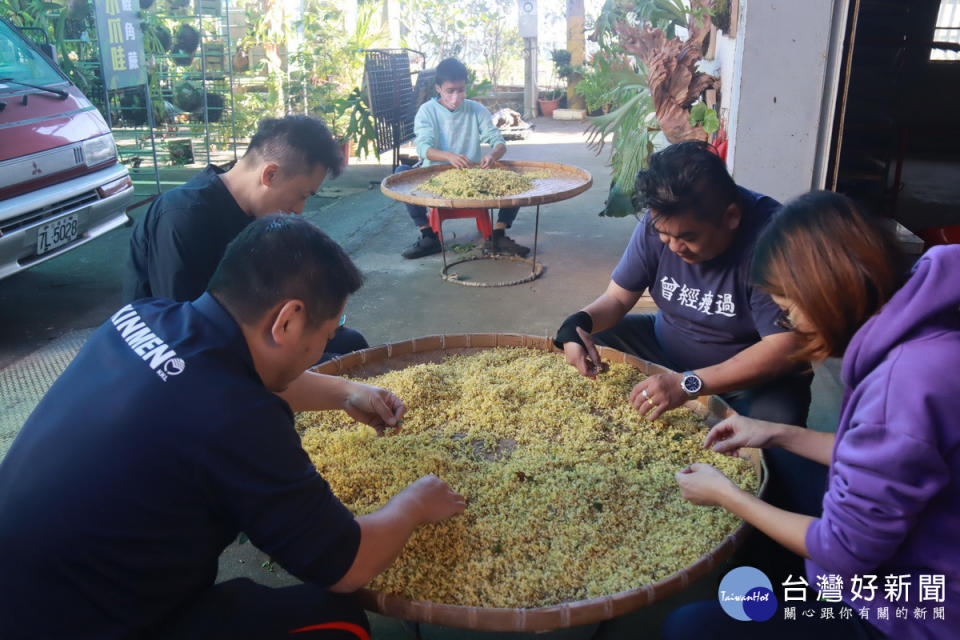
(99, 150)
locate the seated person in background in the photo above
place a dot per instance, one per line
(692, 249)
(172, 431)
(177, 245)
(892, 504)
(449, 129)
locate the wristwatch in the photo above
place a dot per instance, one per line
(691, 384)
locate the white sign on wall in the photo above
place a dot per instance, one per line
(528, 18)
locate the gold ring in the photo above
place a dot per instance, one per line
(645, 395)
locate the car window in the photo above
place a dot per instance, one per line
(19, 61)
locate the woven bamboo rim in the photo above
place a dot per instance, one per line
(564, 182)
(388, 357)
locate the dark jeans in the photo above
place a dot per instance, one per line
(419, 214)
(706, 620)
(784, 400)
(345, 340)
(242, 608)
(794, 483)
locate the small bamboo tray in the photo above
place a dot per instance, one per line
(398, 355)
(565, 181)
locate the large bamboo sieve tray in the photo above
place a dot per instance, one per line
(384, 358)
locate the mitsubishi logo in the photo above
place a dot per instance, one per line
(36, 170)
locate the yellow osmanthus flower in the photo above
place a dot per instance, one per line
(481, 183)
(571, 495)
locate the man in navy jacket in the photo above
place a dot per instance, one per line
(172, 431)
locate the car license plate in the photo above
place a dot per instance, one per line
(57, 233)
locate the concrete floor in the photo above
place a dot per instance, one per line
(46, 309)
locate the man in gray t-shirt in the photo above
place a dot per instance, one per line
(692, 250)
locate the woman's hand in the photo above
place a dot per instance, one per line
(737, 432)
(702, 484)
(374, 406)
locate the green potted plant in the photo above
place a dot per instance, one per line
(550, 99)
(361, 129)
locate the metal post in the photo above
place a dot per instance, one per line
(536, 231)
(106, 101)
(493, 236)
(233, 110)
(153, 142)
(203, 80)
(443, 246)
(530, 79)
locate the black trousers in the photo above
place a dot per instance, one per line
(241, 608)
(345, 340)
(794, 483)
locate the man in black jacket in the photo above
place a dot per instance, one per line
(177, 245)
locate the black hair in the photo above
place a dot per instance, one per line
(688, 177)
(284, 257)
(450, 70)
(298, 144)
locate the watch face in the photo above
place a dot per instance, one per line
(692, 384)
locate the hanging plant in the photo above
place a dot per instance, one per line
(187, 95)
(186, 39)
(133, 109)
(215, 104)
(156, 37)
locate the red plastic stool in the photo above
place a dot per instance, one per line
(436, 217)
(939, 235)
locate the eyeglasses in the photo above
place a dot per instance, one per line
(784, 321)
(343, 320)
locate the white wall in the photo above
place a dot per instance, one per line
(779, 79)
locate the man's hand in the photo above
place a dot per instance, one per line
(374, 406)
(431, 499)
(586, 358)
(459, 161)
(734, 433)
(658, 394)
(488, 161)
(702, 484)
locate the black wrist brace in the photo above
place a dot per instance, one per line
(568, 330)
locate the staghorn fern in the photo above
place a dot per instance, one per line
(633, 125)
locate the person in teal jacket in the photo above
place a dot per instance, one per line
(449, 130)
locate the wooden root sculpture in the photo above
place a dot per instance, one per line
(675, 84)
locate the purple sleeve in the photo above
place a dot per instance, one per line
(638, 265)
(880, 482)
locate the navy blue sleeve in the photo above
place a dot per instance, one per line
(274, 494)
(764, 310)
(765, 313)
(638, 265)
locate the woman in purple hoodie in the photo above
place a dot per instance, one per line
(888, 541)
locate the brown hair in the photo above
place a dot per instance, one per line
(835, 264)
